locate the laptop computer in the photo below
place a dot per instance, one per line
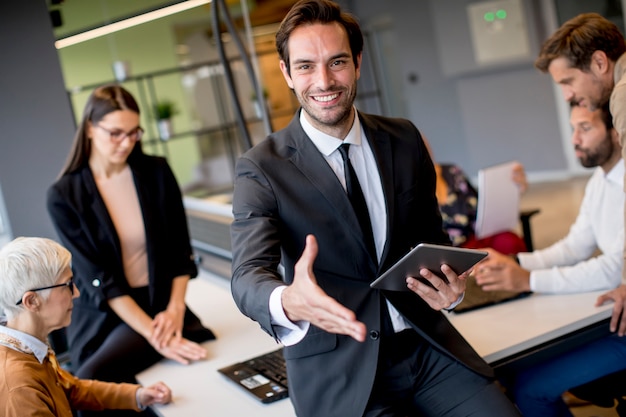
(264, 376)
(475, 297)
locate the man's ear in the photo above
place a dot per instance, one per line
(359, 60)
(615, 137)
(600, 62)
(285, 71)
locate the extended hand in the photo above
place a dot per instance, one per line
(618, 295)
(499, 272)
(305, 300)
(442, 294)
(158, 393)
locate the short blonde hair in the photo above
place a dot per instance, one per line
(27, 263)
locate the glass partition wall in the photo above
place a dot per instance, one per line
(174, 60)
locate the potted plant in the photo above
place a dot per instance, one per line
(163, 112)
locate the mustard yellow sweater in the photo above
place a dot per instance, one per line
(30, 388)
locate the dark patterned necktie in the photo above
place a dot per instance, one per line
(355, 194)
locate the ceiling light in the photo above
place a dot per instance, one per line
(130, 22)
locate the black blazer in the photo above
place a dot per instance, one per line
(284, 190)
(85, 228)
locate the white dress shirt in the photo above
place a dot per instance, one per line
(568, 266)
(362, 159)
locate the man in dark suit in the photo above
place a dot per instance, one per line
(350, 350)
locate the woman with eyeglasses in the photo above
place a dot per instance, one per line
(36, 272)
(120, 213)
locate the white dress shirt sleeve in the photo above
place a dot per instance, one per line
(288, 332)
(568, 266)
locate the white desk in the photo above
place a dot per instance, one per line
(497, 333)
(198, 389)
(504, 330)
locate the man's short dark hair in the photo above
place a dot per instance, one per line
(605, 114)
(308, 12)
(577, 40)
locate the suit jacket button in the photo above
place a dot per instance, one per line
(374, 334)
(96, 282)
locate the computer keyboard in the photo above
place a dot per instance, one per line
(264, 376)
(271, 364)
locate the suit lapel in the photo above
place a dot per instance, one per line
(102, 215)
(308, 159)
(142, 181)
(143, 195)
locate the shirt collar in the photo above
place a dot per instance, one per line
(616, 174)
(22, 342)
(328, 144)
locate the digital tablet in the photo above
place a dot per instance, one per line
(431, 257)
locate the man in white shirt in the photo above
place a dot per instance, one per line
(568, 266)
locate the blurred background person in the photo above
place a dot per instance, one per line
(120, 213)
(589, 257)
(458, 200)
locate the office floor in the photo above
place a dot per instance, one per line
(559, 202)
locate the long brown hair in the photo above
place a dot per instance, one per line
(102, 101)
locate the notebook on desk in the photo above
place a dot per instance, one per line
(264, 376)
(498, 200)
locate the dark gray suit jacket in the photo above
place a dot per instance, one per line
(284, 190)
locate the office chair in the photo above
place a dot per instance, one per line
(524, 217)
(606, 392)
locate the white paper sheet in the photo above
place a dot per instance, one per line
(498, 200)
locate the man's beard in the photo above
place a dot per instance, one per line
(598, 156)
(335, 118)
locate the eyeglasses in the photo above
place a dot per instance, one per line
(69, 284)
(117, 136)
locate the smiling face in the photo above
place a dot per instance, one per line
(591, 88)
(106, 148)
(593, 143)
(323, 76)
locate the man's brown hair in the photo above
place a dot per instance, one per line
(578, 38)
(308, 12)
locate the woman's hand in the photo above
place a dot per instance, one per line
(182, 350)
(158, 393)
(167, 326)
